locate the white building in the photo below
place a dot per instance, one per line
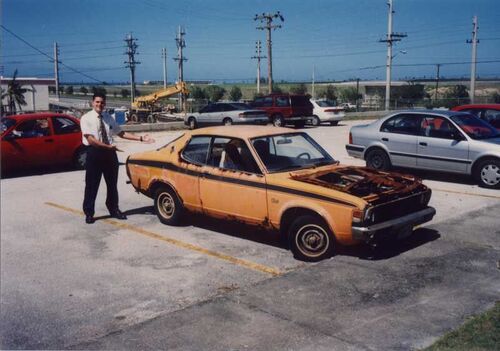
(37, 96)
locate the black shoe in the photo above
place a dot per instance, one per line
(118, 215)
(89, 219)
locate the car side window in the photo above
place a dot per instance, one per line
(35, 128)
(232, 154)
(196, 151)
(438, 127)
(64, 125)
(492, 116)
(208, 108)
(282, 101)
(402, 124)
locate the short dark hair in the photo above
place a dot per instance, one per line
(99, 94)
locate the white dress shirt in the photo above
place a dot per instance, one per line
(91, 124)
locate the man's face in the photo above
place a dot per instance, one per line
(98, 104)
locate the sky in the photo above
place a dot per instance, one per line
(334, 39)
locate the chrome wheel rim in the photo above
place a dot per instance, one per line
(376, 161)
(192, 123)
(315, 121)
(312, 240)
(277, 122)
(490, 174)
(166, 205)
(228, 122)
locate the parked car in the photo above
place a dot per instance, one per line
(487, 112)
(41, 139)
(348, 106)
(285, 109)
(444, 141)
(279, 179)
(225, 113)
(326, 111)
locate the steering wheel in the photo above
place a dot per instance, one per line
(305, 154)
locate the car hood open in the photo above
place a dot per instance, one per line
(371, 185)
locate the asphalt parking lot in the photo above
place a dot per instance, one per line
(211, 285)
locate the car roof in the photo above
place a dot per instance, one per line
(37, 115)
(447, 113)
(491, 106)
(244, 132)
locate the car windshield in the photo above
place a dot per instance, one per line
(326, 103)
(475, 127)
(286, 152)
(6, 123)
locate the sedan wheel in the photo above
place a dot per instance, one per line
(228, 122)
(488, 173)
(310, 239)
(192, 123)
(167, 206)
(378, 159)
(278, 121)
(315, 121)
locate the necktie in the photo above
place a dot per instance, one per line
(104, 135)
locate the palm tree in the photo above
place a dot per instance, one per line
(15, 94)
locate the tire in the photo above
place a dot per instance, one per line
(334, 123)
(134, 118)
(278, 121)
(310, 239)
(151, 119)
(227, 121)
(378, 159)
(487, 173)
(80, 158)
(192, 123)
(315, 121)
(167, 205)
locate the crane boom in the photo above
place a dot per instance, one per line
(150, 99)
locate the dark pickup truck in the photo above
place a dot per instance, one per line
(285, 109)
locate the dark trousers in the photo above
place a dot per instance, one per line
(100, 162)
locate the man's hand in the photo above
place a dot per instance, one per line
(147, 139)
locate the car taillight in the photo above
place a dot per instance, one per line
(350, 138)
(243, 114)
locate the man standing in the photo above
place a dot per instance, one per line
(98, 128)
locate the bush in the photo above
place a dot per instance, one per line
(299, 89)
(69, 90)
(214, 92)
(124, 93)
(235, 94)
(84, 91)
(197, 93)
(329, 93)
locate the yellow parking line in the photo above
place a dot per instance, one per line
(464, 193)
(237, 261)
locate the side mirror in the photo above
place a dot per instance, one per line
(9, 137)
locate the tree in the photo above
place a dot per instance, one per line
(349, 94)
(456, 95)
(214, 92)
(124, 93)
(197, 93)
(69, 90)
(100, 90)
(277, 89)
(329, 93)
(409, 93)
(235, 93)
(15, 94)
(84, 91)
(52, 89)
(299, 89)
(496, 97)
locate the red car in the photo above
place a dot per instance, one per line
(41, 139)
(487, 112)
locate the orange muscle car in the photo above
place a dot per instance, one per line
(279, 179)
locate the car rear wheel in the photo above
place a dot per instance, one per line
(378, 159)
(192, 123)
(315, 121)
(278, 121)
(167, 205)
(310, 239)
(80, 158)
(227, 121)
(487, 173)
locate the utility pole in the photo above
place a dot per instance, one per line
(437, 81)
(474, 42)
(164, 56)
(391, 38)
(131, 63)
(56, 69)
(180, 42)
(267, 18)
(357, 94)
(312, 85)
(258, 47)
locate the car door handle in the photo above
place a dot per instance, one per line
(422, 144)
(385, 139)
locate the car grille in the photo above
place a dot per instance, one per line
(398, 208)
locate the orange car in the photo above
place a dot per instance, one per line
(279, 179)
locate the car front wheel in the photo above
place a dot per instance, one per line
(278, 121)
(192, 123)
(487, 173)
(378, 159)
(167, 205)
(315, 121)
(227, 121)
(310, 239)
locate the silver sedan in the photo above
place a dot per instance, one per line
(225, 113)
(435, 140)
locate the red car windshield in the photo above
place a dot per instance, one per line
(475, 127)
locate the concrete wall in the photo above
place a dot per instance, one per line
(37, 99)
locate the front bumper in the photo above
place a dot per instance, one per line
(394, 226)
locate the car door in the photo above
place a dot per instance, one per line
(67, 137)
(205, 113)
(441, 146)
(29, 144)
(232, 185)
(399, 135)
